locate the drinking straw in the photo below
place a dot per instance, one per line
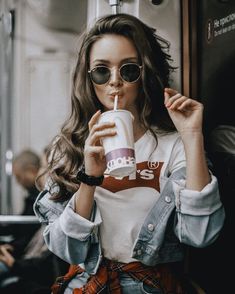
(115, 102)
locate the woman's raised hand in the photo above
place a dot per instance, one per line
(94, 159)
(186, 113)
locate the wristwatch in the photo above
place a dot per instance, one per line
(88, 180)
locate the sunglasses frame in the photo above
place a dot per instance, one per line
(131, 63)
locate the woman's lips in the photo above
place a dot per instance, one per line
(112, 95)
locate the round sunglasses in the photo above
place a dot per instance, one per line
(129, 72)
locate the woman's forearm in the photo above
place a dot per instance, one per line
(84, 200)
(197, 173)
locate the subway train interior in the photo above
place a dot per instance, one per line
(39, 41)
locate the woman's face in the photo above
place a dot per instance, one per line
(113, 51)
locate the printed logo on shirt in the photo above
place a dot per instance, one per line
(146, 175)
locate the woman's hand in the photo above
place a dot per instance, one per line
(185, 113)
(95, 163)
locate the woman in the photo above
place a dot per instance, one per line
(126, 233)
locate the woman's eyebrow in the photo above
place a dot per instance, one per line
(128, 59)
(100, 60)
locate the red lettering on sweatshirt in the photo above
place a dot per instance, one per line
(146, 175)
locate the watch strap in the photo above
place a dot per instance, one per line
(88, 180)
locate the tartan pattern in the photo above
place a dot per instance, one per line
(106, 280)
(61, 282)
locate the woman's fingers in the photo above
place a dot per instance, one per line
(170, 91)
(185, 105)
(178, 101)
(176, 98)
(100, 127)
(97, 135)
(99, 131)
(94, 160)
(94, 119)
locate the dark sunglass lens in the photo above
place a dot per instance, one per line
(100, 75)
(130, 72)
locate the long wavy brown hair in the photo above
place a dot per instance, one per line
(65, 154)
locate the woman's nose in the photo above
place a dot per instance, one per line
(115, 78)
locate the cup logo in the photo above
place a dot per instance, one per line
(120, 157)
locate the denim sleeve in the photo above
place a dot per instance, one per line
(67, 234)
(199, 215)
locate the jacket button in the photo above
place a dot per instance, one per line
(139, 252)
(168, 199)
(150, 227)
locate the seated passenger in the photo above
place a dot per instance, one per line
(26, 166)
(34, 272)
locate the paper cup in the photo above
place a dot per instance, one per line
(119, 149)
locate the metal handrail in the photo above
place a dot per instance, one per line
(18, 219)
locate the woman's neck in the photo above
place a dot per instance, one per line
(138, 134)
(138, 129)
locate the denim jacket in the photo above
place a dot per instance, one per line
(180, 216)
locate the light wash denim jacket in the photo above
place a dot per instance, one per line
(178, 216)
